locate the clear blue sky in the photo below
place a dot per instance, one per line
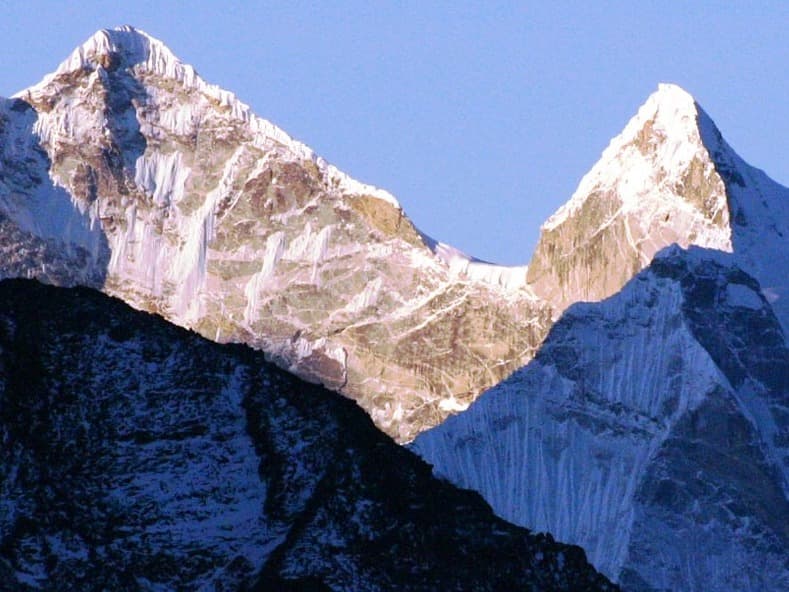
(481, 118)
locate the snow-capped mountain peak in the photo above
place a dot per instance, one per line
(131, 49)
(663, 137)
(126, 171)
(143, 56)
(126, 46)
(669, 177)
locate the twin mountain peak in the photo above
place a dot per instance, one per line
(125, 171)
(169, 193)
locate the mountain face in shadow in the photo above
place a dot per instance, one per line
(43, 231)
(650, 429)
(139, 456)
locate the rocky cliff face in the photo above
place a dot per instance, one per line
(139, 456)
(125, 171)
(651, 429)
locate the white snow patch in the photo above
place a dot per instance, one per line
(452, 405)
(275, 247)
(770, 294)
(146, 54)
(466, 268)
(163, 176)
(365, 298)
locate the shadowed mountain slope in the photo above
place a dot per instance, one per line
(139, 456)
(651, 429)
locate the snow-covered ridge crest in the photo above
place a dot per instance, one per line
(142, 53)
(463, 266)
(133, 47)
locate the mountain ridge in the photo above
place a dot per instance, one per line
(640, 429)
(171, 200)
(127, 46)
(167, 196)
(139, 456)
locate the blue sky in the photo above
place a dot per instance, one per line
(481, 118)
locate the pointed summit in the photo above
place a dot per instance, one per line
(669, 177)
(669, 93)
(670, 108)
(661, 139)
(127, 43)
(154, 67)
(619, 435)
(655, 185)
(124, 47)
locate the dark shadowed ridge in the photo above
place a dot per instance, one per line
(138, 456)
